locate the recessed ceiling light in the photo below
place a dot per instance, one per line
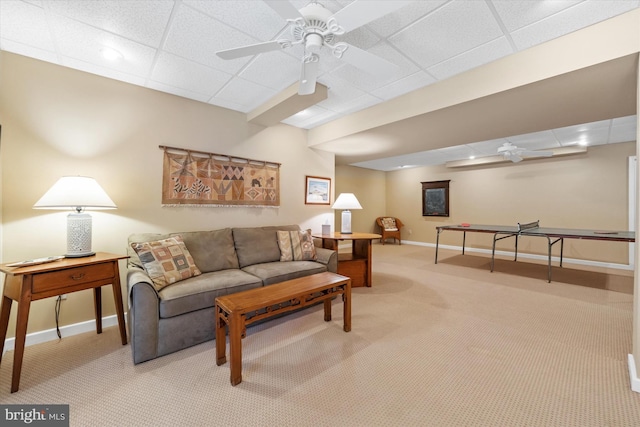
(472, 157)
(111, 54)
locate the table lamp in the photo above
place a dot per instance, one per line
(346, 201)
(78, 193)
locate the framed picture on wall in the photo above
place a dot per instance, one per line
(317, 191)
(435, 198)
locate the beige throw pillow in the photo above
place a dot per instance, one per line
(296, 246)
(166, 261)
(389, 224)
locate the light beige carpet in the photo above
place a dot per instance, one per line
(432, 345)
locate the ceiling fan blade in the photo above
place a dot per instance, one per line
(364, 60)
(530, 153)
(284, 9)
(514, 158)
(309, 75)
(361, 12)
(252, 49)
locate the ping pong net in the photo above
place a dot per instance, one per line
(528, 225)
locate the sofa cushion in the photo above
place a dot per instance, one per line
(167, 261)
(279, 271)
(211, 250)
(296, 246)
(256, 245)
(201, 291)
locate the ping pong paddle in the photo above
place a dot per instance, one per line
(465, 224)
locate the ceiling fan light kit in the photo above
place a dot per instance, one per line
(316, 27)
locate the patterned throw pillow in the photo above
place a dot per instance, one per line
(166, 261)
(389, 224)
(296, 246)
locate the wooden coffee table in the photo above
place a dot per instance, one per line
(232, 310)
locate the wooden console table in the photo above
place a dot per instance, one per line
(232, 309)
(26, 284)
(356, 264)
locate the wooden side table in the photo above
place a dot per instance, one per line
(357, 264)
(26, 284)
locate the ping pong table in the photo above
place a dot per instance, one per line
(553, 236)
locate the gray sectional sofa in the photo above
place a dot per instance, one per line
(231, 260)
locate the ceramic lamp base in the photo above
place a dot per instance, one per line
(345, 227)
(78, 235)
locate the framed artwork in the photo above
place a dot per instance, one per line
(435, 198)
(317, 191)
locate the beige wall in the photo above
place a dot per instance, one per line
(584, 191)
(369, 188)
(58, 121)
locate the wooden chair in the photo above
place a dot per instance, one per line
(389, 228)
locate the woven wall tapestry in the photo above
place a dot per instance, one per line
(194, 178)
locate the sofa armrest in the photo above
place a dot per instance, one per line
(143, 315)
(329, 258)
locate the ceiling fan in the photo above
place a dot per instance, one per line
(517, 154)
(316, 27)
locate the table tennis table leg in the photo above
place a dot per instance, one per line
(464, 239)
(495, 239)
(561, 240)
(437, 243)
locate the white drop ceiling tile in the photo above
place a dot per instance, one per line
(244, 92)
(404, 85)
(535, 140)
(29, 51)
(457, 152)
(26, 24)
(283, 70)
(569, 135)
(177, 91)
(142, 21)
(623, 121)
(454, 28)
(591, 136)
(488, 148)
(368, 82)
(473, 58)
(596, 137)
(181, 73)
(254, 18)
(623, 133)
(388, 25)
(360, 37)
(196, 36)
(520, 13)
(84, 43)
(582, 15)
(102, 71)
(319, 120)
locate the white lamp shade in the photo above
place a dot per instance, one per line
(76, 192)
(346, 201)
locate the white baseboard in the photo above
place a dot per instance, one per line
(65, 331)
(529, 256)
(633, 376)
